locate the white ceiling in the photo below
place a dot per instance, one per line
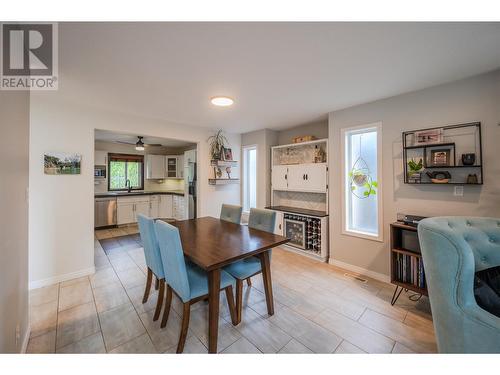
(280, 74)
(107, 136)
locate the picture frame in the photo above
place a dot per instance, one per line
(428, 137)
(62, 163)
(227, 154)
(441, 157)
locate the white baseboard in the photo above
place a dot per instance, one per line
(60, 278)
(26, 339)
(360, 270)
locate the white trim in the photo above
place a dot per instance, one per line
(60, 278)
(244, 174)
(361, 271)
(380, 236)
(26, 339)
(322, 140)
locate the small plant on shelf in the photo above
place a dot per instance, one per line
(414, 170)
(217, 143)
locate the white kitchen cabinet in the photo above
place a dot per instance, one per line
(307, 177)
(180, 166)
(154, 206)
(155, 167)
(179, 207)
(171, 166)
(100, 158)
(142, 208)
(165, 207)
(278, 226)
(189, 157)
(279, 177)
(125, 213)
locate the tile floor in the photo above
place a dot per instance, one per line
(318, 310)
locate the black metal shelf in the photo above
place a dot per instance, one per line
(447, 132)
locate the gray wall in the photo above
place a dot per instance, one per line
(318, 129)
(14, 309)
(264, 140)
(473, 99)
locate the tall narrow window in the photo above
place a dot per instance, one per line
(361, 176)
(123, 168)
(249, 177)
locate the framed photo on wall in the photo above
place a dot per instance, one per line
(441, 157)
(428, 137)
(227, 154)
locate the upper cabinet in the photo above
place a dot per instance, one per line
(300, 167)
(155, 167)
(180, 166)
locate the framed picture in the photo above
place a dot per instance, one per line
(56, 163)
(227, 154)
(441, 157)
(428, 137)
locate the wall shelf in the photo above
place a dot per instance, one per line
(223, 181)
(451, 142)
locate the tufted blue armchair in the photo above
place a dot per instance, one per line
(453, 249)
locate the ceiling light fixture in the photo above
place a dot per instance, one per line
(222, 101)
(139, 146)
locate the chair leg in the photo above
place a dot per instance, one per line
(149, 280)
(185, 325)
(230, 304)
(168, 302)
(159, 303)
(157, 282)
(249, 281)
(239, 300)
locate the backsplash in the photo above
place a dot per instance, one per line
(101, 185)
(310, 201)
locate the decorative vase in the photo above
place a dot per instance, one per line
(468, 159)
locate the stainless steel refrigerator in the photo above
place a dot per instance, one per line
(190, 181)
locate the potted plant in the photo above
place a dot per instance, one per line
(414, 169)
(217, 143)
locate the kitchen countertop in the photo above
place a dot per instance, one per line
(136, 193)
(295, 210)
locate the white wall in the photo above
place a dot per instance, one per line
(61, 207)
(474, 99)
(14, 125)
(318, 129)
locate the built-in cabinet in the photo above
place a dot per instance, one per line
(159, 167)
(302, 177)
(100, 158)
(165, 206)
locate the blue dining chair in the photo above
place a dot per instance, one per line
(231, 213)
(185, 279)
(244, 269)
(153, 261)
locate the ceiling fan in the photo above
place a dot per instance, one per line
(139, 145)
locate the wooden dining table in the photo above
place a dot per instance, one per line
(212, 243)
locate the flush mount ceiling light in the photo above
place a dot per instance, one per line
(222, 101)
(139, 146)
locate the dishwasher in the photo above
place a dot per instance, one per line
(104, 212)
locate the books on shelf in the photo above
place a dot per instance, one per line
(410, 270)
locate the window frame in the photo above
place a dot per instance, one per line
(245, 173)
(377, 126)
(126, 158)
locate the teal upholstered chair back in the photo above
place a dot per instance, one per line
(172, 258)
(453, 249)
(262, 219)
(231, 213)
(150, 245)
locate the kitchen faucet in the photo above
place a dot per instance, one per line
(128, 185)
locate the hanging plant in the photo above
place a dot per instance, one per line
(217, 143)
(360, 180)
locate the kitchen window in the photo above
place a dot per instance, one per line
(362, 206)
(124, 167)
(249, 177)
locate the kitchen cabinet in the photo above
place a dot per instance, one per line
(125, 212)
(155, 167)
(278, 227)
(179, 207)
(154, 206)
(307, 177)
(171, 166)
(165, 206)
(100, 158)
(142, 208)
(180, 166)
(279, 177)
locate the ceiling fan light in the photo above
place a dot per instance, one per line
(139, 146)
